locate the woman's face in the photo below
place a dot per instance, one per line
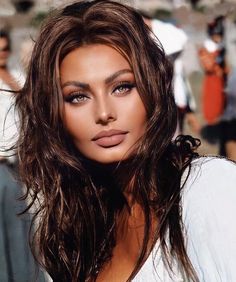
(103, 112)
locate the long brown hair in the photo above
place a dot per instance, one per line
(76, 210)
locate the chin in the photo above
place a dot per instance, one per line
(110, 157)
(109, 160)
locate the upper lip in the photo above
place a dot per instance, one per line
(108, 133)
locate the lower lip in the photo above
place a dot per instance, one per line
(110, 141)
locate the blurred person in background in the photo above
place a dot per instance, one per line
(212, 57)
(173, 41)
(16, 262)
(9, 80)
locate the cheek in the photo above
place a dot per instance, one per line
(136, 112)
(75, 124)
(141, 113)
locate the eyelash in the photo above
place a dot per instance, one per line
(73, 96)
(128, 86)
(80, 97)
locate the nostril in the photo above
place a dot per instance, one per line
(105, 118)
(104, 114)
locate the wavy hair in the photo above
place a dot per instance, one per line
(75, 209)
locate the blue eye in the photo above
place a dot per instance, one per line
(76, 98)
(123, 88)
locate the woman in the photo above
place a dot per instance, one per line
(9, 80)
(115, 198)
(16, 263)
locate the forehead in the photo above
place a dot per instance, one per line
(92, 61)
(96, 50)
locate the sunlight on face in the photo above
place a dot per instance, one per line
(103, 112)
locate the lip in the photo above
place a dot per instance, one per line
(109, 138)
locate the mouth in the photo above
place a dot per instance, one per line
(110, 138)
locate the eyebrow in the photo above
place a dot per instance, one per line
(108, 80)
(116, 74)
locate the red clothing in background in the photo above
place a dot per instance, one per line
(213, 98)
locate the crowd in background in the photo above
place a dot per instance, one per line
(217, 107)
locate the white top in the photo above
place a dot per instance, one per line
(211, 45)
(209, 211)
(8, 116)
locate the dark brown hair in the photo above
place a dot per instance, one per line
(76, 210)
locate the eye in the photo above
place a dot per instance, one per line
(76, 98)
(123, 88)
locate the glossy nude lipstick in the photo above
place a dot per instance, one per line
(109, 138)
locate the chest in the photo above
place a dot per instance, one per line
(127, 250)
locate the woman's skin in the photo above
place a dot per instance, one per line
(99, 96)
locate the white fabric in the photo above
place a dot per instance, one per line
(8, 117)
(209, 210)
(179, 84)
(173, 40)
(171, 37)
(182, 89)
(210, 45)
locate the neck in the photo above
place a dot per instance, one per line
(114, 179)
(118, 172)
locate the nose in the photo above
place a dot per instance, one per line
(105, 111)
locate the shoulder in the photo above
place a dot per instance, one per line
(211, 182)
(209, 174)
(19, 76)
(208, 212)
